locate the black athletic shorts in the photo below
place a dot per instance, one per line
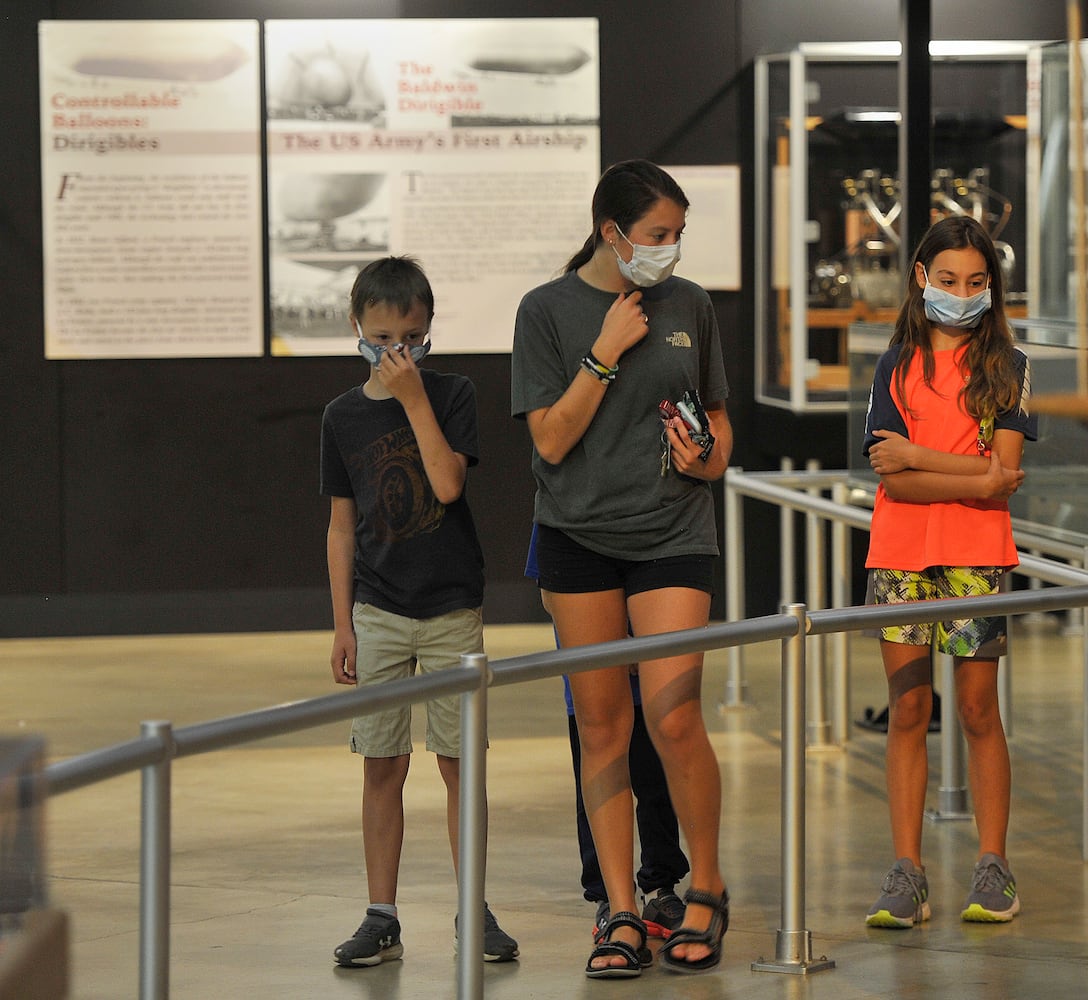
(565, 567)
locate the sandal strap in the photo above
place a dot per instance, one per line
(616, 948)
(711, 937)
(701, 898)
(604, 949)
(624, 918)
(688, 935)
(719, 921)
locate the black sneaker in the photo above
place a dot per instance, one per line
(666, 909)
(377, 940)
(498, 945)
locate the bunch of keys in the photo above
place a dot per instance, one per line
(690, 410)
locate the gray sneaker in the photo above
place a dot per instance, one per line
(905, 899)
(993, 897)
(498, 945)
(377, 940)
(600, 922)
(666, 910)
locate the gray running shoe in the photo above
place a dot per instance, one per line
(993, 897)
(377, 940)
(905, 899)
(666, 910)
(600, 922)
(498, 945)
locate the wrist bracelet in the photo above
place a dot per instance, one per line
(588, 366)
(600, 366)
(599, 370)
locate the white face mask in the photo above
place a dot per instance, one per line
(373, 352)
(648, 266)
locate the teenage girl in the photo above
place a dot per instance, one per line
(948, 415)
(626, 528)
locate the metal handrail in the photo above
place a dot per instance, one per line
(97, 765)
(154, 751)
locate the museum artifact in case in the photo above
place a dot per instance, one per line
(827, 195)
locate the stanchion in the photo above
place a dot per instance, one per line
(952, 792)
(155, 866)
(472, 836)
(793, 945)
(736, 687)
(819, 726)
(841, 597)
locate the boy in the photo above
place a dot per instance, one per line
(405, 569)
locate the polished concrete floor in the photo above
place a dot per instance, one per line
(267, 868)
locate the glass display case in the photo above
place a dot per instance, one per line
(826, 195)
(1054, 227)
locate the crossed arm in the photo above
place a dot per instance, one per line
(924, 475)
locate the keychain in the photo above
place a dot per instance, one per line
(690, 410)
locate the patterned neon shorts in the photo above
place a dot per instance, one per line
(981, 637)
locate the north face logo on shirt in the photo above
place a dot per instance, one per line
(678, 338)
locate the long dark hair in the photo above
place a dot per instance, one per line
(624, 194)
(992, 383)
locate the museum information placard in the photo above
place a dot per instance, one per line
(151, 189)
(471, 144)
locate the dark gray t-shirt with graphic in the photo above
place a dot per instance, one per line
(414, 556)
(608, 493)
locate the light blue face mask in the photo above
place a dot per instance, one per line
(373, 352)
(946, 309)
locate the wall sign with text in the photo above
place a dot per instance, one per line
(151, 189)
(470, 144)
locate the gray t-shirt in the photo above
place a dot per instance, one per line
(608, 493)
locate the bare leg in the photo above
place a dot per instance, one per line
(671, 701)
(450, 769)
(988, 767)
(909, 670)
(605, 713)
(383, 823)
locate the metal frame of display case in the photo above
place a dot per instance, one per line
(1056, 186)
(798, 397)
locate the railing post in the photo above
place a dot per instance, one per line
(816, 566)
(735, 685)
(1005, 668)
(952, 792)
(793, 946)
(472, 835)
(787, 541)
(155, 866)
(841, 597)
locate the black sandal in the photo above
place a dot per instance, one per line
(635, 958)
(711, 937)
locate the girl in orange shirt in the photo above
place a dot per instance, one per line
(945, 431)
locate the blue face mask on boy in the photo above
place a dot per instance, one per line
(946, 309)
(373, 352)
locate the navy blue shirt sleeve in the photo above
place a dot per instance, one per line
(1019, 419)
(883, 414)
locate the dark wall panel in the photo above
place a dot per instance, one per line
(182, 495)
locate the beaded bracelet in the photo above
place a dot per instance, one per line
(598, 370)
